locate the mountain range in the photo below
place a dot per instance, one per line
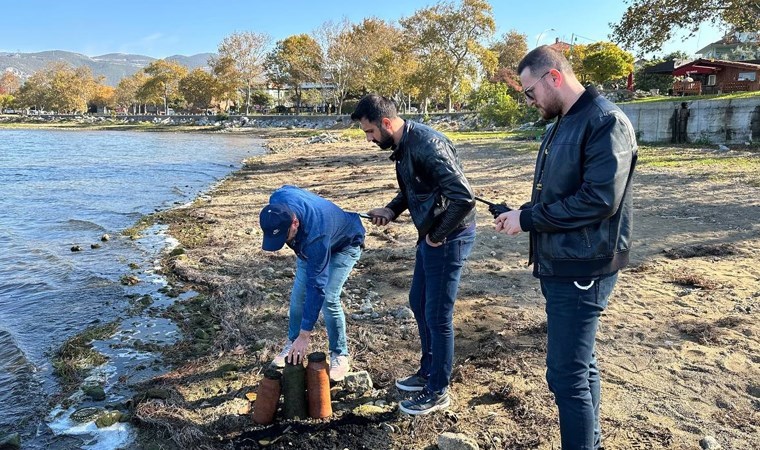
(113, 66)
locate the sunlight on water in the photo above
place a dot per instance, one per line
(63, 189)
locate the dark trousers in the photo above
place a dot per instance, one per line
(434, 289)
(573, 310)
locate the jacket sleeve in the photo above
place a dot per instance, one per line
(439, 161)
(608, 156)
(398, 204)
(317, 255)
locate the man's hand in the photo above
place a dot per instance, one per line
(299, 348)
(381, 216)
(431, 243)
(498, 209)
(508, 223)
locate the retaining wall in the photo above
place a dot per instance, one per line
(734, 121)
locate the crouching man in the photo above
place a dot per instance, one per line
(327, 242)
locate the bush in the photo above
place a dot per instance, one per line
(494, 104)
(349, 106)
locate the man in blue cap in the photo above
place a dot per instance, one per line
(327, 242)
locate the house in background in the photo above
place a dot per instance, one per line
(709, 76)
(734, 46)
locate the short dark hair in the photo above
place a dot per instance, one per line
(374, 108)
(543, 58)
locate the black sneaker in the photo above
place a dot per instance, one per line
(413, 383)
(425, 402)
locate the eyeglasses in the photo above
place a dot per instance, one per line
(529, 91)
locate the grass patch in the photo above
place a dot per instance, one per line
(530, 135)
(697, 250)
(709, 333)
(76, 356)
(693, 280)
(354, 133)
(676, 157)
(731, 96)
(144, 223)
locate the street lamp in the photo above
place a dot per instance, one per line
(542, 33)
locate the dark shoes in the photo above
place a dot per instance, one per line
(414, 383)
(425, 402)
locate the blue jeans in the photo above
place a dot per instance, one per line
(341, 264)
(434, 289)
(573, 310)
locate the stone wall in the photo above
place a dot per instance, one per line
(734, 121)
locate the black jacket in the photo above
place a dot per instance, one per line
(580, 214)
(432, 184)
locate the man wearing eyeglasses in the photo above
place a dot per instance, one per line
(579, 220)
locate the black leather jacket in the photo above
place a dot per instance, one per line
(580, 214)
(432, 184)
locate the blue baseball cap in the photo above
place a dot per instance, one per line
(275, 220)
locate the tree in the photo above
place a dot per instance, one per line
(247, 52)
(58, 87)
(35, 92)
(6, 101)
(228, 81)
(661, 81)
(294, 61)
(606, 61)
(198, 88)
(575, 55)
(126, 94)
(510, 49)
(342, 56)
(103, 96)
(647, 24)
(453, 34)
(9, 82)
(648, 81)
(163, 80)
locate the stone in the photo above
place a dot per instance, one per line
(94, 392)
(357, 382)
(10, 441)
(403, 313)
(105, 238)
(107, 419)
(709, 443)
(368, 410)
(456, 441)
(85, 414)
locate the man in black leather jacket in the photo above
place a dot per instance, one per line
(580, 220)
(434, 189)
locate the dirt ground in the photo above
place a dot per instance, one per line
(678, 346)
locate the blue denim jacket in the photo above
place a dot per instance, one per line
(324, 229)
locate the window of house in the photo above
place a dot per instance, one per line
(748, 76)
(711, 79)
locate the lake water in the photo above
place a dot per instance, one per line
(66, 188)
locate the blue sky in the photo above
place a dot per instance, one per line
(169, 27)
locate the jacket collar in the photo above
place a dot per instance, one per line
(584, 100)
(398, 149)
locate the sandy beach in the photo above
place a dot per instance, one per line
(678, 346)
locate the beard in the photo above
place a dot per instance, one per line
(386, 139)
(551, 109)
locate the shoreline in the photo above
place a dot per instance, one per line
(500, 397)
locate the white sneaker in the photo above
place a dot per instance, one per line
(338, 366)
(279, 360)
